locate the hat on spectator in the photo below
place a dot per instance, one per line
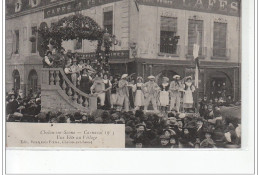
(124, 76)
(188, 78)
(176, 76)
(140, 78)
(151, 77)
(182, 115)
(140, 124)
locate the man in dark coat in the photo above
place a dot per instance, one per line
(12, 105)
(198, 132)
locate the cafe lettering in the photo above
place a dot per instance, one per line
(121, 54)
(74, 6)
(225, 7)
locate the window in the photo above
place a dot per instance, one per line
(16, 80)
(34, 42)
(168, 32)
(108, 21)
(17, 40)
(195, 28)
(33, 80)
(220, 39)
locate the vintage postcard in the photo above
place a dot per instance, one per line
(123, 73)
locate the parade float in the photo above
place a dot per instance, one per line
(57, 91)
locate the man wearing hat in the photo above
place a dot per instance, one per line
(175, 93)
(123, 93)
(151, 90)
(12, 105)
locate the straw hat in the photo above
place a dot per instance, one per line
(151, 77)
(139, 78)
(176, 76)
(188, 78)
(124, 76)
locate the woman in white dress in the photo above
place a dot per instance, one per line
(189, 88)
(139, 95)
(164, 93)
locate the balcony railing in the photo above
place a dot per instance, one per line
(167, 49)
(220, 53)
(202, 52)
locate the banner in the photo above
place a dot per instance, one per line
(225, 7)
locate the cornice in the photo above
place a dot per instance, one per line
(34, 10)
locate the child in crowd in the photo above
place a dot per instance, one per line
(164, 140)
(207, 142)
(174, 142)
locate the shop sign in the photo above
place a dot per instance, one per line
(225, 7)
(120, 54)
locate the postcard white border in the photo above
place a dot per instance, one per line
(154, 161)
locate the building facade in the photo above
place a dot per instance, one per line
(144, 30)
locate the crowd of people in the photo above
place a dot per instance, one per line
(206, 129)
(20, 108)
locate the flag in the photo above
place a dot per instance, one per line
(196, 48)
(197, 72)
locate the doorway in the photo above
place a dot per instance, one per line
(16, 80)
(33, 81)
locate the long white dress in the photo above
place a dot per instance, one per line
(188, 98)
(164, 94)
(139, 95)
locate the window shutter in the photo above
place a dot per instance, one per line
(220, 37)
(9, 44)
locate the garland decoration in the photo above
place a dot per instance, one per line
(78, 27)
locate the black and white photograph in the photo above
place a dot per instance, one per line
(167, 73)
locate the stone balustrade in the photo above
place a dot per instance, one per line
(56, 79)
